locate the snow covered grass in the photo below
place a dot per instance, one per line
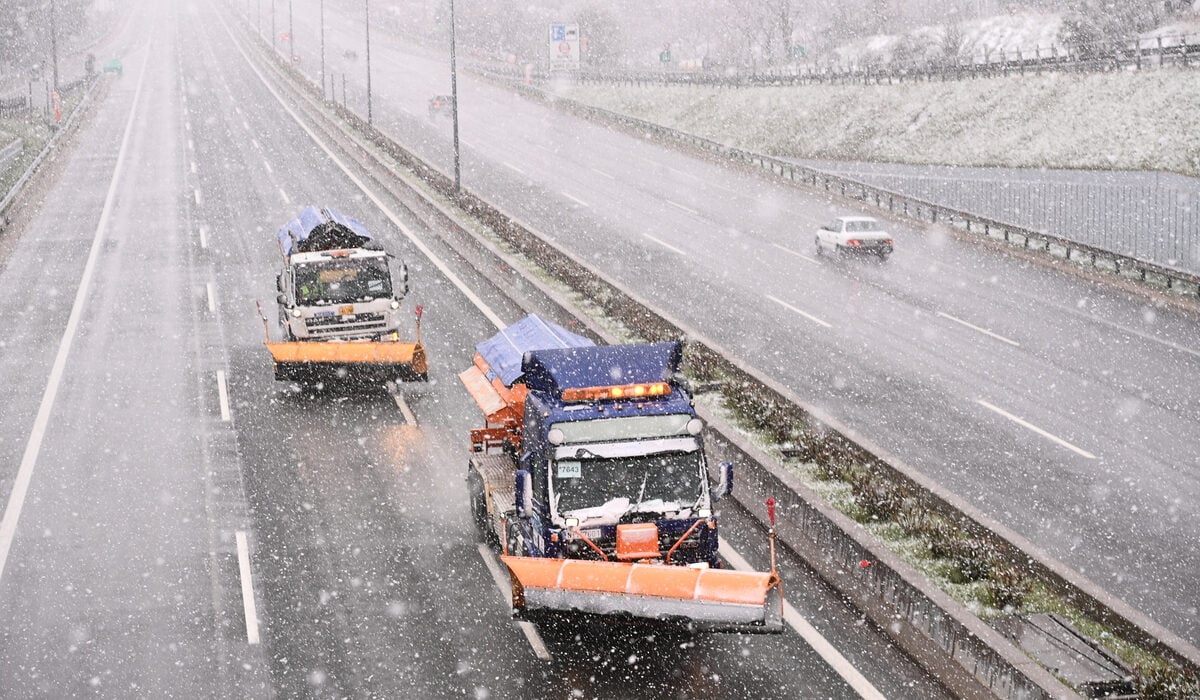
(922, 539)
(34, 133)
(1128, 120)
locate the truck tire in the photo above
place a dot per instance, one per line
(479, 508)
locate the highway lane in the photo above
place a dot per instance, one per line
(1057, 405)
(112, 581)
(371, 577)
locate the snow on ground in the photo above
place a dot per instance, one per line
(1026, 32)
(1128, 120)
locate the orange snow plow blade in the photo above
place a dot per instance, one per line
(298, 360)
(710, 599)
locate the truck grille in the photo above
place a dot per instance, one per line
(362, 323)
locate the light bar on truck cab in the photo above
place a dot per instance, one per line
(625, 391)
(339, 253)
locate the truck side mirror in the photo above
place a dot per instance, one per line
(279, 282)
(725, 485)
(281, 299)
(524, 494)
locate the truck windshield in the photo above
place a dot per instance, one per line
(342, 281)
(649, 480)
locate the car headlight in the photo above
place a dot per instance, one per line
(395, 304)
(295, 313)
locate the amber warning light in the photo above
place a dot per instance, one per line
(627, 391)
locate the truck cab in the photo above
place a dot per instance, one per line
(606, 454)
(337, 282)
(347, 294)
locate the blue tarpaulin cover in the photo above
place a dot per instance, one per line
(551, 371)
(503, 351)
(298, 230)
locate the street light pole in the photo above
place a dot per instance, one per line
(322, 49)
(367, 7)
(291, 36)
(454, 102)
(54, 41)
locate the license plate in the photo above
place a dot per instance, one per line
(570, 470)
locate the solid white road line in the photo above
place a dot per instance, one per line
(197, 194)
(1126, 329)
(223, 394)
(664, 244)
(677, 205)
(798, 255)
(819, 644)
(789, 307)
(408, 232)
(1034, 428)
(20, 486)
(684, 173)
(505, 586)
(248, 607)
(267, 165)
(284, 196)
(212, 299)
(203, 230)
(575, 199)
(401, 404)
(510, 166)
(981, 330)
(601, 172)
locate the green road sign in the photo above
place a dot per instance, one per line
(665, 56)
(798, 52)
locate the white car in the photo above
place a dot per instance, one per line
(854, 234)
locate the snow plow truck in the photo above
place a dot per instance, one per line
(590, 477)
(339, 304)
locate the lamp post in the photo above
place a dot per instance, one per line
(454, 102)
(322, 6)
(291, 36)
(367, 8)
(54, 41)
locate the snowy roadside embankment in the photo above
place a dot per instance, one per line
(1128, 121)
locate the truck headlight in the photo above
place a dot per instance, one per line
(295, 313)
(694, 426)
(395, 304)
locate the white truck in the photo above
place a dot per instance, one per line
(339, 303)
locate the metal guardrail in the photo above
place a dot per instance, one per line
(922, 619)
(67, 125)
(1176, 50)
(1148, 272)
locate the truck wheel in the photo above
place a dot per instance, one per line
(479, 508)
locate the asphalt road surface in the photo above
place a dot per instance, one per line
(1064, 408)
(178, 524)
